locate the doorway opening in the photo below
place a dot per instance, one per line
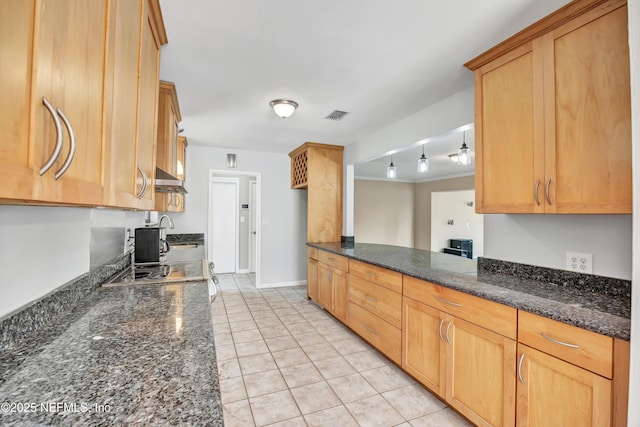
(233, 237)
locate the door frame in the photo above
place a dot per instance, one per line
(252, 218)
(221, 173)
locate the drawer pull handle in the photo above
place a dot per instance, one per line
(566, 344)
(372, 274)
(535, 192)
(520, 368)
(447, 302)
(373, 331)
(448, 339)
(370, 298)
(440, 329)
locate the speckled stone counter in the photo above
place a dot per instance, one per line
(140, 355)
(593, 307)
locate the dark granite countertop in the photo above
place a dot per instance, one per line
(590, 307)
(140, 354)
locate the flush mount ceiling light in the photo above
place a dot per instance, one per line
(464, 154)
(283, 107)
(423, 162)
(391, 170)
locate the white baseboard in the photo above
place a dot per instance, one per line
(282, 284)
(243, 271)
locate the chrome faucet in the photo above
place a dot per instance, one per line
(171, 226)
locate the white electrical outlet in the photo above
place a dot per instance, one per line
(582, 263)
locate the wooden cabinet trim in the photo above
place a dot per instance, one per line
(155, 15)
(541, 27)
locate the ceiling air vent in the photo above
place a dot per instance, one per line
(336, 115)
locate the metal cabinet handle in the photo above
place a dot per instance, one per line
(143, 188)
(371, 273)
(146, 183)
(330, 275)
(535, 192)
(178, 201)
(520, 368)
(370, 298)
(373, 331)
(447, 302)
(72, 148)
(546, 191)
(558, 342)
(447, 333)
(440, 329)
(58, 148)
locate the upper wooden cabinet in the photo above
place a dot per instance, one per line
(74, 86)
(133, 62)
(318, 169)
(181, 170)
(169, 118)
(552, 115)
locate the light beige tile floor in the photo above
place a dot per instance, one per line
(283, 361)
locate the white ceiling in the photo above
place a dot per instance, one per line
(379, 60)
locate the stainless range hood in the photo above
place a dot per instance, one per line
(167, 183)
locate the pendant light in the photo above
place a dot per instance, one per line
(423, 162)
(464, 154)
(391, 170)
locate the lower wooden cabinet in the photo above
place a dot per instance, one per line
(552, 392)
(376, 331)
(471, 367)
(332, 290)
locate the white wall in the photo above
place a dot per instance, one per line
(467, 224)
(384, 212)
(634, 50)
(284, 211)
(543, 240)
(42, 248)
(422, 238)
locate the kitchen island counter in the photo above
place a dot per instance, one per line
(598, 304)
(140, 354)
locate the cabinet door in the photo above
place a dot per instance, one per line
(339, 306)
(588, 115)
(121, 124)
(16, 34)
(423, 351)
(312, 279)
(325, 290)
(70, 69)
(481, 373)
(147, 110)
(509, 133)
(554, 392)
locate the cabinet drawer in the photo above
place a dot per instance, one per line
(312, 253)
(583, 348)
(488, 314)
(376, 331)
(380, 301)
(378, 275)
(333, 260)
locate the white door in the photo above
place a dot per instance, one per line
(252, 226)
(224, 208)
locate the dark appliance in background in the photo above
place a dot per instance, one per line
(460, 247)
(150, 245)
